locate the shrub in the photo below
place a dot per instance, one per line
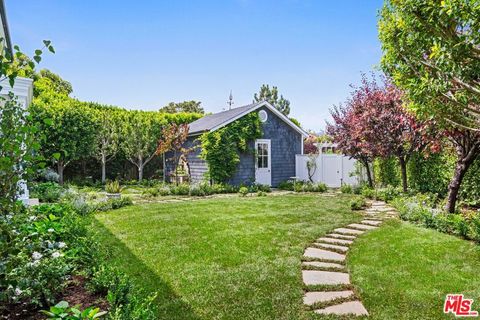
(388, 193)
(62, 311)
(310, 187)
(82, 206)
(418, 209)
(126, 302)
(40, 249)
(164, 191)
(151, 192)
(286, 185)
(49, 175)
(224, 188)
(113, 187)
(357, 189)
(259, 187)
(346, 188)
(368, 192)
(114, 203)
(198, 191)
(358, 203)
(243, 191)
(261, 194)
(180, 190)
(47, 191)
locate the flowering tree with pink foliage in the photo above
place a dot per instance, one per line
(309, 145)
(373, 123)
(348, 138)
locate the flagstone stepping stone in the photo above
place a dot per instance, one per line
(332, 246)
(343, 236)
(323, 264)
(323, 254)
(348, 231)
(372, 222)
(350, 307)
(318, 296)
(315, 277)
(334, 241)
(362, 226)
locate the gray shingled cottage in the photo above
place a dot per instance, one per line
(274, 159)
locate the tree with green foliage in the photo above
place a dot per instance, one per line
(107, 137)
(47, 81)
(191, 106)
(432, 51)
(140, 133)
(70, 136)
(271, 96)
(221, 148)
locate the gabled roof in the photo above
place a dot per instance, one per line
(215, 121)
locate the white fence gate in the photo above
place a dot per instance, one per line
(331, 169)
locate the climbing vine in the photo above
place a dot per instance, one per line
(221, 148)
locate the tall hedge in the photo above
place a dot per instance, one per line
(387, 172)
(431, 173)
(470, 190)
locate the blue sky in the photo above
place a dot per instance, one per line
(144, 54)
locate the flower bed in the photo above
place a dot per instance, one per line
(43, 250)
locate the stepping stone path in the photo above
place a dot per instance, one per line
(324, 266)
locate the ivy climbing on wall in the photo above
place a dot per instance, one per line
(221, 149)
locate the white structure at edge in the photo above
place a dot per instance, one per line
(23, 90)
(332, 168)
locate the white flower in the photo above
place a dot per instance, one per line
(61, 245)
(56, 254)
(51, 230)
(18, 291)
(37, 255)
(9, 216)
(32, 218)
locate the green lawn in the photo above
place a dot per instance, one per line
(405, 271)
(230, 258)
(239, 258)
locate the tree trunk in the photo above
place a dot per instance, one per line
(403, 168)
(369, 174)
(140, 169)
(104, 172)
(164, 168)
(84, 167)
(60, 168)
(454, 187)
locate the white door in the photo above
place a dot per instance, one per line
(263, 172)
(332, 170)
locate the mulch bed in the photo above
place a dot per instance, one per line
(75, 294)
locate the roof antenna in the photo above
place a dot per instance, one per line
(230, 100)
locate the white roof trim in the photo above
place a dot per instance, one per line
(272, 109)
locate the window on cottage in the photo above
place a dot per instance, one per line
(262, 155)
